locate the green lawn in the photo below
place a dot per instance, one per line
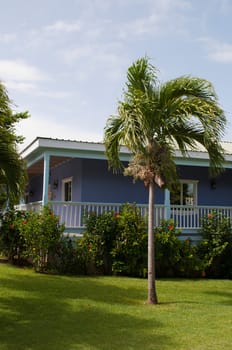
(41, 312)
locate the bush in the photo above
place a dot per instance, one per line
(64, 257)
(98, 241)
(12, 244)
(40, 231)
(167, 249)
(175, 257)
(215, 248)
(130, 247)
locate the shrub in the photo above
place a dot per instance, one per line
(215, 248)
(175, 257)
(130, 248)
(64, 257)
(98, 241)
(40, 231)
(167, 248)
(12, 243)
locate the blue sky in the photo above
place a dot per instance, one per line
(66, 61)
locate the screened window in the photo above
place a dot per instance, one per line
(185, 193)
(67, 189)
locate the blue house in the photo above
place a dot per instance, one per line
(73, 178)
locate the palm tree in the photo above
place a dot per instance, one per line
(12, 167)
(154, 120)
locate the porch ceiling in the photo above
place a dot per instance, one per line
(38, 167)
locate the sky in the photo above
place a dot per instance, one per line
(65, 61)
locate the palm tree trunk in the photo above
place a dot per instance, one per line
(152, 296)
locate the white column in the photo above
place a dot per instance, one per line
(167, 204)
(46, 178)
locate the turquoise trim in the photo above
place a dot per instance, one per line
(46, 178)
(167, 204)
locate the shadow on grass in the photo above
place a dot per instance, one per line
(222, 297)
(53, 312)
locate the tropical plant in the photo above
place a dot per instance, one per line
(40, 231)
(12, 243)
(154, 120)
(130, 247)
(215, 247)
(98, 240)
(12, 167)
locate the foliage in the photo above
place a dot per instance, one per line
(215, 247)
(98, 240)
(12, 167)
(12, 243)
(130, 248)
(167, 248)
(175, 257)
(40, 231)
(64, 257)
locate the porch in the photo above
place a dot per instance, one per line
(186, 218)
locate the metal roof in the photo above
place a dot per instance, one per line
(62, 150)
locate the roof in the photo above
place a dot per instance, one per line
(62, 150)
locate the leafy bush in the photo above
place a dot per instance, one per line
(175, 257)
(215, 248)
(167, 248)
(40, 231)
(98, 241)
(130, 247)
(64, 257)
(12, 243)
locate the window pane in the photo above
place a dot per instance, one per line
(175, 195)
(68, 191)
(188, 193)
(184, 194)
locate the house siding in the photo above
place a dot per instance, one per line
(221, 195)
(99, 184)
(94, 182)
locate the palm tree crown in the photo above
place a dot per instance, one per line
(154, 119)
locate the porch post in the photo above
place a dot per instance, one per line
(46, 178)
(167, 204)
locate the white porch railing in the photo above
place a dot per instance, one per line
(190, 217)
(72, 214)
(34, 206)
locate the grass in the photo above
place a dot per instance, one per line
(106, 313)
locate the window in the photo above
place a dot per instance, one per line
(185, 193)
(67, 189)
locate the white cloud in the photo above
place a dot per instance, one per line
(39, 125)
(62, 26)
(7, 38)
(222, 53)
(218, 51)
(20, 71)
(161, 15)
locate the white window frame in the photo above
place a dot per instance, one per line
(195, 191)
(64, 182)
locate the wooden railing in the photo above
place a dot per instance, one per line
(72, 214)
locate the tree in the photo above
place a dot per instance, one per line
(12, 167)
(154, 120)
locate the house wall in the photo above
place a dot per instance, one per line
(93, 182)
(70, 169)
(220, 195)
(101, 185)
